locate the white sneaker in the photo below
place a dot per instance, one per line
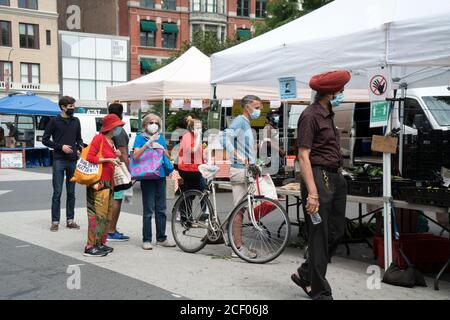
(147, 246)
(166, 244)
(245, 252)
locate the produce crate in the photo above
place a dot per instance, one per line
(401, 189)
(366, 187)
(435, 196)
(426, 251)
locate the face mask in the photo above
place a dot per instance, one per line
(276, 119)
(337, 100)
(70, 112)
(256, 114)
(152, 128)
(117, 131)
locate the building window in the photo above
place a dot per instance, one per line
(28, 4)
(261, 8)
(221, 6)
(147, 65)
(196, 5)
(5, 33)
(211, 29)
(148, 33)
(49, 37)
(169, 36)
(4, 2)
(243, 8)
(211, 6)
(5, 69)
(29, 36)
(243, 34)
(169, 4)
(30, 73)
(147, 4)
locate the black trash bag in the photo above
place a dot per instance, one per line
(409, 278)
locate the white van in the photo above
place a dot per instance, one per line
(423, 108)
(91, 124)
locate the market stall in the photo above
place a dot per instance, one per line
(30, 113)
(407, 40)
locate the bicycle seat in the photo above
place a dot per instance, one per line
(208, 171)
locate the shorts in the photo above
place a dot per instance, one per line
(118, 195)
(238, 184)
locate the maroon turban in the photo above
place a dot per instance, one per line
(330, 82)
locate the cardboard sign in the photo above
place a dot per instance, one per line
(384, 144)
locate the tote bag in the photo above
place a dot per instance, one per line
(265, 187)
(122, 178)
(87, 173)
(148, 166)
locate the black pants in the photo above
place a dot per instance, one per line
(324, 238)
(192, 181)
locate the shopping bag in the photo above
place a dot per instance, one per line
(265, 187)
(87, 173)
(122, 178)
(148, 166)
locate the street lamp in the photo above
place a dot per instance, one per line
(7, 71)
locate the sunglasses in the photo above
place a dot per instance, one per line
(154, 123)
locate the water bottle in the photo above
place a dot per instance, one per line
(316, 218)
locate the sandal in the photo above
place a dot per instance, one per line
(302, 283)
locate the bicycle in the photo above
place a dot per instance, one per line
(264, 230)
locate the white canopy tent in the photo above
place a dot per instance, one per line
(188, 77)
(408, 37)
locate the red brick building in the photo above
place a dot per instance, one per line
(157, 28)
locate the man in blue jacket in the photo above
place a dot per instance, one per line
(63, 135)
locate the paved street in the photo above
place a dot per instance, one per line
(34, 262)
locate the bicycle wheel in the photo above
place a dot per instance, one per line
(262, 235)
(190, 216)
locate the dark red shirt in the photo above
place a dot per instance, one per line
(317, 131)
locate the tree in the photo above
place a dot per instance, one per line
(280, 12)
(311, 5)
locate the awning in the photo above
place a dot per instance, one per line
(148, 26)
(244, 33)
(170, 28)
(28, 104)
(147, 64)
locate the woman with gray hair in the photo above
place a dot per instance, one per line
(153, 191)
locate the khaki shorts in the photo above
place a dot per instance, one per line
(238, 185)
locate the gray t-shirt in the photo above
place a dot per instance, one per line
(122, 140)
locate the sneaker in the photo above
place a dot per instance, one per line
(245, 252)
(166, 243)
(106, 249)
(73, 225)
(147, 246)
(117, 237)
(94, 252)
(54, 227)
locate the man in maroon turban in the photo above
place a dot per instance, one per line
(324, 189)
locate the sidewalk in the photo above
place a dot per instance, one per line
(209, 274)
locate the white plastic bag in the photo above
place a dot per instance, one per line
(128, 196)
(266, 187)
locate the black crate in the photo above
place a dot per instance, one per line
(439, 197)
(401, 189)
(365, 187)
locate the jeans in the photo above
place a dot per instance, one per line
(61, 167)
(154, 200)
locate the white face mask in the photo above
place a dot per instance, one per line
(152, 128)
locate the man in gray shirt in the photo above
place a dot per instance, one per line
(121, 143)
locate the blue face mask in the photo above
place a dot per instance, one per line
(276, 119)
(256, 114)
(338, 100)
(117, 131)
